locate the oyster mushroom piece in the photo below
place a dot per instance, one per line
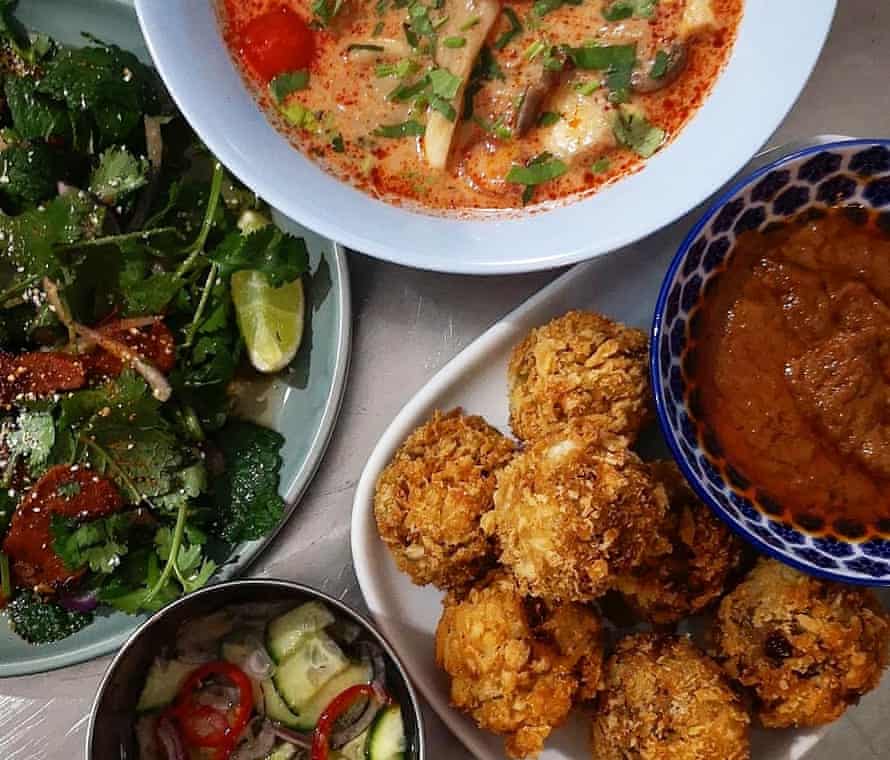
(533, 98)
(642, 80)
(459, 61)
(585, 126)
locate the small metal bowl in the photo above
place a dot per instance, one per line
(111, 733)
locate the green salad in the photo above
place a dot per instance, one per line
(137, 282)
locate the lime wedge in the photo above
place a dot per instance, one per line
(270, 319)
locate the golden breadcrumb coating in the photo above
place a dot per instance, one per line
(663, 699)
(704, 555)
(515, 664)
(573, 512)
(581, 365)
(430, 497)
(807, 648)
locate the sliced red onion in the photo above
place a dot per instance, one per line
(170, 739)
(297, 738)
(361, 724)
(257, 741)
(79, 601)
(374, 654)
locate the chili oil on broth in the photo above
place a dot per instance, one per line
(788, 372)
(350, 100)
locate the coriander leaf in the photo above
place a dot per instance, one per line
(146, 294)
(600, 165)
(99, 544)
(602, 57)
(486, 69)
(127, 590)
(40, 622)
(454, 43)
(633, 130)
(408, 128)
(443, 107)
(27, 174)
(288, 83)
(33, 440)
(444, 83)
(540, 169)
(542, 7)
(118, 174)
(623, 9)
(660, 65)
(281, 257)
(246, 494)
(326, 10)
(406, 91)
(515, 29)
(548, 118)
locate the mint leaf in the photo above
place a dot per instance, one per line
(27, 174)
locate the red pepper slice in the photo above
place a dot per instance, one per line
(205, 726)
(321, 738)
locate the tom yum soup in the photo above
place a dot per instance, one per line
(789, 371)
(479, 104)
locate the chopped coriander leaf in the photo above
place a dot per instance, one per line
(660, 65)
(542, 168)
(299, 116)
(470, 23)
(406, 92)
(378, 29)
(454, 42)
(445, 84)
(443, 107)
(285, 84)
(337, 143)
(410, 128)
(515, 29)
(325, 10)
(542, 7)
(633, 130)
(404, 68)
(365, 46)
(411, 36)
(440, 22)
(598, 57)
(486, 69)
(623, 9)
(600, 165)
(118, 175)
(588, 87)
(548, 118)
(497, 128)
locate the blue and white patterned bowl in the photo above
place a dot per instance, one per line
(850, 173)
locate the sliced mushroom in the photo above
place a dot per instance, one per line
(642, 80)
(459, 61)
(533, 98)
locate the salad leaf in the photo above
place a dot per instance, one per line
(281, 257)
(118, 175)
(99, 544)
(35, 116)
(33, 440)
(246, 494)
(27, 174)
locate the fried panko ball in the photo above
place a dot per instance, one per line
(430, 497)
(581, 365)
(516, 664)
(704, 555)
(807, 648)
(572, 513)
(663, 699)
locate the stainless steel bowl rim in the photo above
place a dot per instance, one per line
(221, 588)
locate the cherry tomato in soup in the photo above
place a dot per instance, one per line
(277, 41)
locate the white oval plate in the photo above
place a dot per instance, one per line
(623, 286)
(777, 46)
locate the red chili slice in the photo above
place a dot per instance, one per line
(321, 739)
(276, 42)
(205, 726)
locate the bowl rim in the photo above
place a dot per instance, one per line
(655, 361)
(514, 242)
(276, 583)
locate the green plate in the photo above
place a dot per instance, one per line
(302, 405)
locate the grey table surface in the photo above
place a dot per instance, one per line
(408, 324)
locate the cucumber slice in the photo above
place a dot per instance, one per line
(283, 751)
(300, 677)
(355, 674)
(289, 631)
(275, 707)
(386, 737)
(165, 678)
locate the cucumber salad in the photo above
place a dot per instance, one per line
(262, 682)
